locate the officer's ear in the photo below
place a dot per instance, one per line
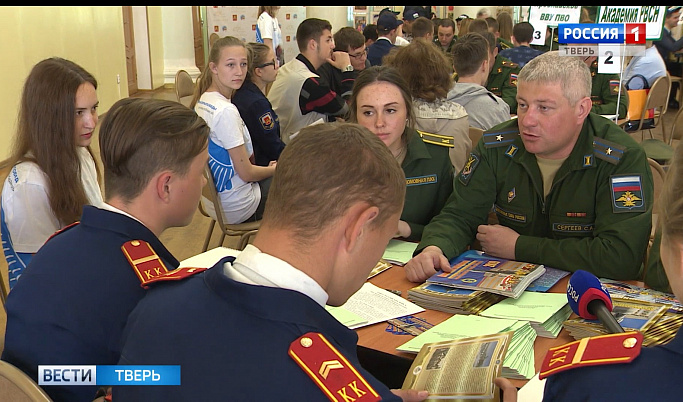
(163, 181)
(583, 107)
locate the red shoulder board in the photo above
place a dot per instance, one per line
(592, 351)
(330, 370)
(62, 230)
(176, 275)
(145, 262)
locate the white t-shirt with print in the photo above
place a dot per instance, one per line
(239, 198)
(26, 207)
(268, 27)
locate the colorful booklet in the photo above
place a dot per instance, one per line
(460, 368)
(496, 275)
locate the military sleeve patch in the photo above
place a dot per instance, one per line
(145, 262)
(467, 170)
(267, 121)
(592, 351)
(627, 194)
(437, 139)
(499, 138)
(607, 150)
(330, 370)
(614, 86)
(513, 79)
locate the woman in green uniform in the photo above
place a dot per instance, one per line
(382, 103)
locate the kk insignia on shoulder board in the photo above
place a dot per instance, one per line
(330, 370)
(144, 260)
(592, 351)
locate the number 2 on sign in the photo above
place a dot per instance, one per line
(609, 61)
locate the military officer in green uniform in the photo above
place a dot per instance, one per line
(503, 44)
(570, 189)
(502, 81)
(605, 93)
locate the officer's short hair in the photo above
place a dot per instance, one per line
(141, 137)
(446, 22)
(326, 169)
(469, 51)
(571, 72)
(523, 32)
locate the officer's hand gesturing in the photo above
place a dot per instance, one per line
(497, 240)
(425, 264)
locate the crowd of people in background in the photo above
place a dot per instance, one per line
(375, 121)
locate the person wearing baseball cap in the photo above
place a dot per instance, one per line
(410, 14)
(387, 30)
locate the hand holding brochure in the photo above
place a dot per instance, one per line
(496, 275)
(461, 368)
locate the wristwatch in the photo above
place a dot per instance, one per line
(347, 68)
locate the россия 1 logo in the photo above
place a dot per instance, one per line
(630, 33)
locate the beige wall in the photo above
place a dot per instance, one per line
(92, 37)
(89, 36)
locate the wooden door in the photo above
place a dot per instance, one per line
(129, 39)
(197, 31)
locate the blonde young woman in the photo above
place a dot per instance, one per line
(242, 186)
(52, 172)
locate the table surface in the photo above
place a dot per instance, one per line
(375, 337)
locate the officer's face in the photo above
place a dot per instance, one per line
(548, 124)
(445, 35)
(381, 109)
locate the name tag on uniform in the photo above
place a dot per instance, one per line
(420, 180)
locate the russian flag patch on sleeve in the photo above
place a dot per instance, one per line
(627, 194)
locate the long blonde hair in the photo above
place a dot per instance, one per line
(205, 79)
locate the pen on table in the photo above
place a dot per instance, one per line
(394, 291)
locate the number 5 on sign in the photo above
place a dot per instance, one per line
(609, 59)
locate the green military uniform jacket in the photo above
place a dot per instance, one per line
(449, 48)
(597, 216)
(605, 93)
(502, 81)
(429, 180)
(655, 276)
(503, 43)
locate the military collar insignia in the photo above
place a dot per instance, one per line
(512, 194)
